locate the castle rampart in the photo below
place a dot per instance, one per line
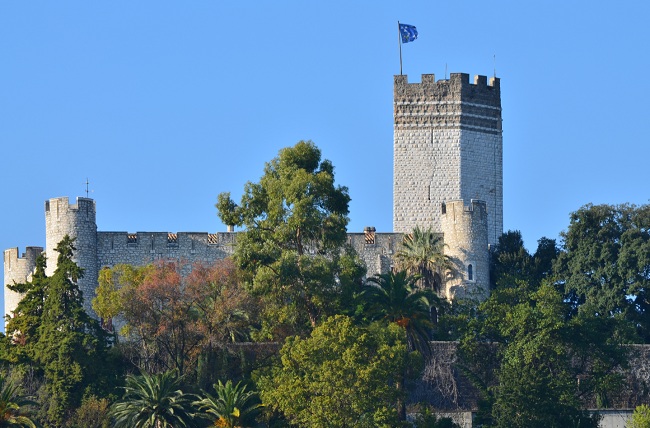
(142, 248)
(448, 150)
(96, 250)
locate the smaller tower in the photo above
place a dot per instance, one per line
(465, 229)
(18, 270)
(77, 221)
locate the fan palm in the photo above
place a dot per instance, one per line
(422, 253)
(394, 297)
(232, 407)
(153, 401)
(14, 407)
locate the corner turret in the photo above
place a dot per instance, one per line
(18, 269)
(78, 221)
(465, 229)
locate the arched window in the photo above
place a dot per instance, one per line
(470, 272)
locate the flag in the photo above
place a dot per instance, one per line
(408, 32)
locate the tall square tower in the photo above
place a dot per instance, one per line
(448, 146)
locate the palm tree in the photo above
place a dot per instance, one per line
(14, 407)
(154, 401)
(422, 254)
(232, 407)
(394, 297)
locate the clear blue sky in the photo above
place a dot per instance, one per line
(162, 105)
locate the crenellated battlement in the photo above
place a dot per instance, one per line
(61, 207)
(25, 262)
(457, 82)
(18, 269)
(475, 207)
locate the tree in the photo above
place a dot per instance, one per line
(291, 249)
(232, 407)
(225, 308)
(172, 320)
(511, 261)
(14, 408)
(640, 418)
(340, 376)
(605, 265)
(22, 327)
(537, 354)
(54, 339)
(153, 401)
(93, 413)
(394, 297)
(163, 316)
(422, 254)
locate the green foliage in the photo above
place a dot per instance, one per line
(93, 413)
(15, 409)
(153, 401)
(232, 407)
(422, 254)
(22, 328)
(640, 418)
(394, 297)
(525, 353)
(342, 375)
(511, 262)
(605, 267)
(295, 220)
(107, 302)
(55, 340)
(72, 347)
(428, 419)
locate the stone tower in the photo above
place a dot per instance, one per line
(78, 221)
(465, 230)
(447, 147)
(18, 269)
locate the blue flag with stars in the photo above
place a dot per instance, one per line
(408, 32)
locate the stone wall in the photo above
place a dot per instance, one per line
(18, 269)
(375, 249)
(447, 146)
(143, 248)
(96, 250)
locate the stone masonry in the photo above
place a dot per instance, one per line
(447, 175)
(448, 146)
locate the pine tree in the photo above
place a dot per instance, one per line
(71, 346)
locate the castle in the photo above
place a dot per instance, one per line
(448, 175)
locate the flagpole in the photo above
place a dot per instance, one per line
(399, 38)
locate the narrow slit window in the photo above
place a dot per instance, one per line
(470, 272)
